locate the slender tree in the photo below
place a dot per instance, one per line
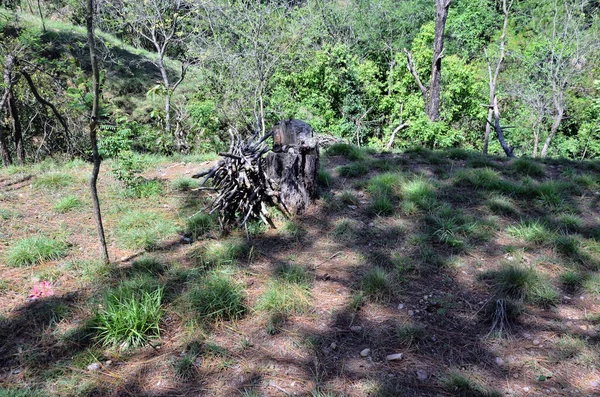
(432, 94)
(13, 110)
(93, 130)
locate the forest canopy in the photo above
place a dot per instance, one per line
(177, 74)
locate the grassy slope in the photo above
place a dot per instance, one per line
(455, 233)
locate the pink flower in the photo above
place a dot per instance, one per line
(41, 290)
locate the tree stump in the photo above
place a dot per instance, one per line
(294, 164)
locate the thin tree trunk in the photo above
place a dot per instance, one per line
(488, 130)
(435, 86)
(41, 15)
(536, 140)
(13, 111)
(93, 131)
(165, 78)
(4, 152)
(553, 131)
(507, 149)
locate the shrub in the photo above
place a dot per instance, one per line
(34, 250)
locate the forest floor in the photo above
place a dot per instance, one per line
(481, 272)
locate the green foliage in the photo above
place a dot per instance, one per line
(285, 297)
(324, 178)
(34, 250)
(354, 170)
(294, 274)
(528, 167)
(351, 152)
(531, 231)
(184, 183)
(52, 180)
(377, 284)
(523, 283)
(462, 386)
(199, 224)
(129, 317)
(145, 230)
(218, 253)
(17, 392)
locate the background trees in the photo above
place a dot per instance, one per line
(179, 73)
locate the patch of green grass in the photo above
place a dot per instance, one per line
(129, 317)
(67, 204)
(52, 180)
(351, 152)
(292, 229)
(523, 283)
(294, 274)
(34, 250)
(353, 170)
(550, 194)
(419, 191)
(411, 334)
(384, 184)
(143, 229)
(382, 165)
(184, 184)
(571, 280)
(200, 224)
(377, 285)
(145, 189)
(349, 198)
(570, 222)
(217, 298)
(256, 228)
(567, 245)
(148, 265)
(528, 167)
(345, 230)
(185, 367)
(446, 229)
(285, 298)
(592, 283)
(480, 162)
(462, 386)
(567, 348)
(459, 154)
(18, 392)
(382, 206)
(586, 181)
(501, 205)
(6, 214)
(218, 253)
(531, 231)
(324, 178)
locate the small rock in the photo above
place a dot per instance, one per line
(516, 375)
(567, 297)
(527, 336)
(400, 306)
(165, 206)
(426, 297)
(123, 258)
(333, 346)
(595, 383)
(582, 297)
(411, 313)
(371, 224)
(535, 342)
(356, 328)
(93, 367)
(499, 360)
(365, 352)
(433, 339)
(526, 388)
(422, 375)
(394, 357)
(352, 207)
(107, 363)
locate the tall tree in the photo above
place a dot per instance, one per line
(94, 129)
(432, 94)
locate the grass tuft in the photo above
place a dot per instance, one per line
(528, 167)
(524, 283)
(52, 180)
(34, 250)
(130, 317)
(199, 224)
(67, 204)
(377, 284)
(286, 298)
(184, 184)
(420, 192)
(218, 253)
(217, 298)
(530, 231)
(354, 170)
(411, 334)
(139, 229)
(351, 152)
(294, 274)
(324, 178)
(462, 386)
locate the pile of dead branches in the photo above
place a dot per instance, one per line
(243, 190)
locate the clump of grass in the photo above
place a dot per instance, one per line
(501, 205)
(382, 206)
(349, 198)
(129, 317)
(34, 250)
(462, 386)
(480, 162)
(567, 245)
(345, 230)
(275, 322)
(185, 367)
(6, 214)
(184, 183)
(524, 283)
(592, 283)
(199, 224)
(384, 184)
(501, 315)
(292, 229)
(570, 222)
(217, 298)
(550, 194)
(479, 178)
(144, 188)
(567, 348)
(256, 228)
(148, 265)
(351, 152)
(377, 284)
(285, 298)
(571, 279)
(52, 180)
(446, 229)
(18, 392)
(411, 334)
(530, 231)
(293, 273)
(143, 229)
(218, 253)
(324, 178)
(528, 167)
(419, 191)
(67, 204)
(354, 170)
(458, 154)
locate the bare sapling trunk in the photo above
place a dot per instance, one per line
(4, 152)
(13, 111)
(494, 77)
(553, 130)
(93, 131)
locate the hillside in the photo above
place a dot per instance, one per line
(481, 271)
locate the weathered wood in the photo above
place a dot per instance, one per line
(294, 164)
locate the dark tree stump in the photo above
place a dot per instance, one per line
(294, 164)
